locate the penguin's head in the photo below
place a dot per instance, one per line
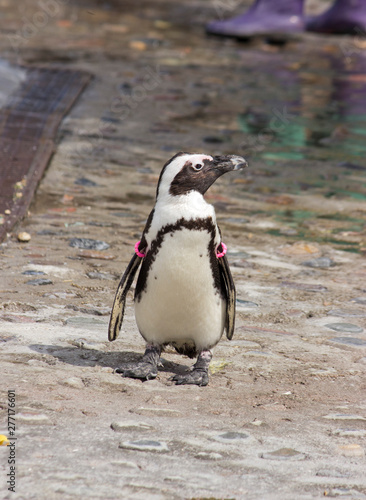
(187, 172)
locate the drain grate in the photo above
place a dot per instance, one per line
(28, 126)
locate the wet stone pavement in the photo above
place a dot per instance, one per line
(284, 414)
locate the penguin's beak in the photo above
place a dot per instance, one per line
(213, 169)
(228, 163)
(239, 162)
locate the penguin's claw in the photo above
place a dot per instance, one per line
(142, 370)
(195, 377)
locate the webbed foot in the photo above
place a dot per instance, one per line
(195, 377)
(146, 369)
(199, 373)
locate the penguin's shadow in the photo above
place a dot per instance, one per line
(79, 356)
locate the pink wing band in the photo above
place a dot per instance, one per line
(224, 250)
(137, 251)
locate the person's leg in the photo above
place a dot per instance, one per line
(345, 16)
(264, 17)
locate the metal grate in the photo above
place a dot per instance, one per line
(28, 126)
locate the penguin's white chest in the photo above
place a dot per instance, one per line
(180, 303)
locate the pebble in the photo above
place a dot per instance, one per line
(125, 463)
(162, 25)
(288, 231)
(231, 436)
(308, 272)
(60, 271)
(137, 45)
(17, 318)
(81, 321)
(257, 423)
(88, 244)
(344, 327)
(131, 425)
(345, 313)
(85, 344)
(83, 181)
(31, 272)
(330, 473)
(352, 341)
(351, 450)
(7, 338)
(342, 416)
(114, 383)
(213, 139)
(352, 166)
(24, 237)
(321, 262)
(48, 232)
(345, 492)
(204, 455)
(159, 412)
(40, 281)
(283, 454)
(323, 372)
(295, 313)
(67, 476)
(99, 223)
(349, 432)
(95, 275)
(75, 382)
(105, 369)
(60, 295)
(123, 214)
(144, 445)
(244, 264)
(32, 418)
(359, 300)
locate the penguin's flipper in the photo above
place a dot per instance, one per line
(230, 296)
(118, 308)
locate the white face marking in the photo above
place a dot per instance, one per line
(175, 167)
(169, 209)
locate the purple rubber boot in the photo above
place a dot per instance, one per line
(264, 18)
(344, 17)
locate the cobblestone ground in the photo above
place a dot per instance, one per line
(284, 414)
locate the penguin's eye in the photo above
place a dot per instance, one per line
(198, 167)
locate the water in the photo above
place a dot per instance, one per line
(303, 125)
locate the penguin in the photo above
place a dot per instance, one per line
(184, 295)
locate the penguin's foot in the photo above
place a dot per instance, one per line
(195, 377)
(199, 372)
(145, 369)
